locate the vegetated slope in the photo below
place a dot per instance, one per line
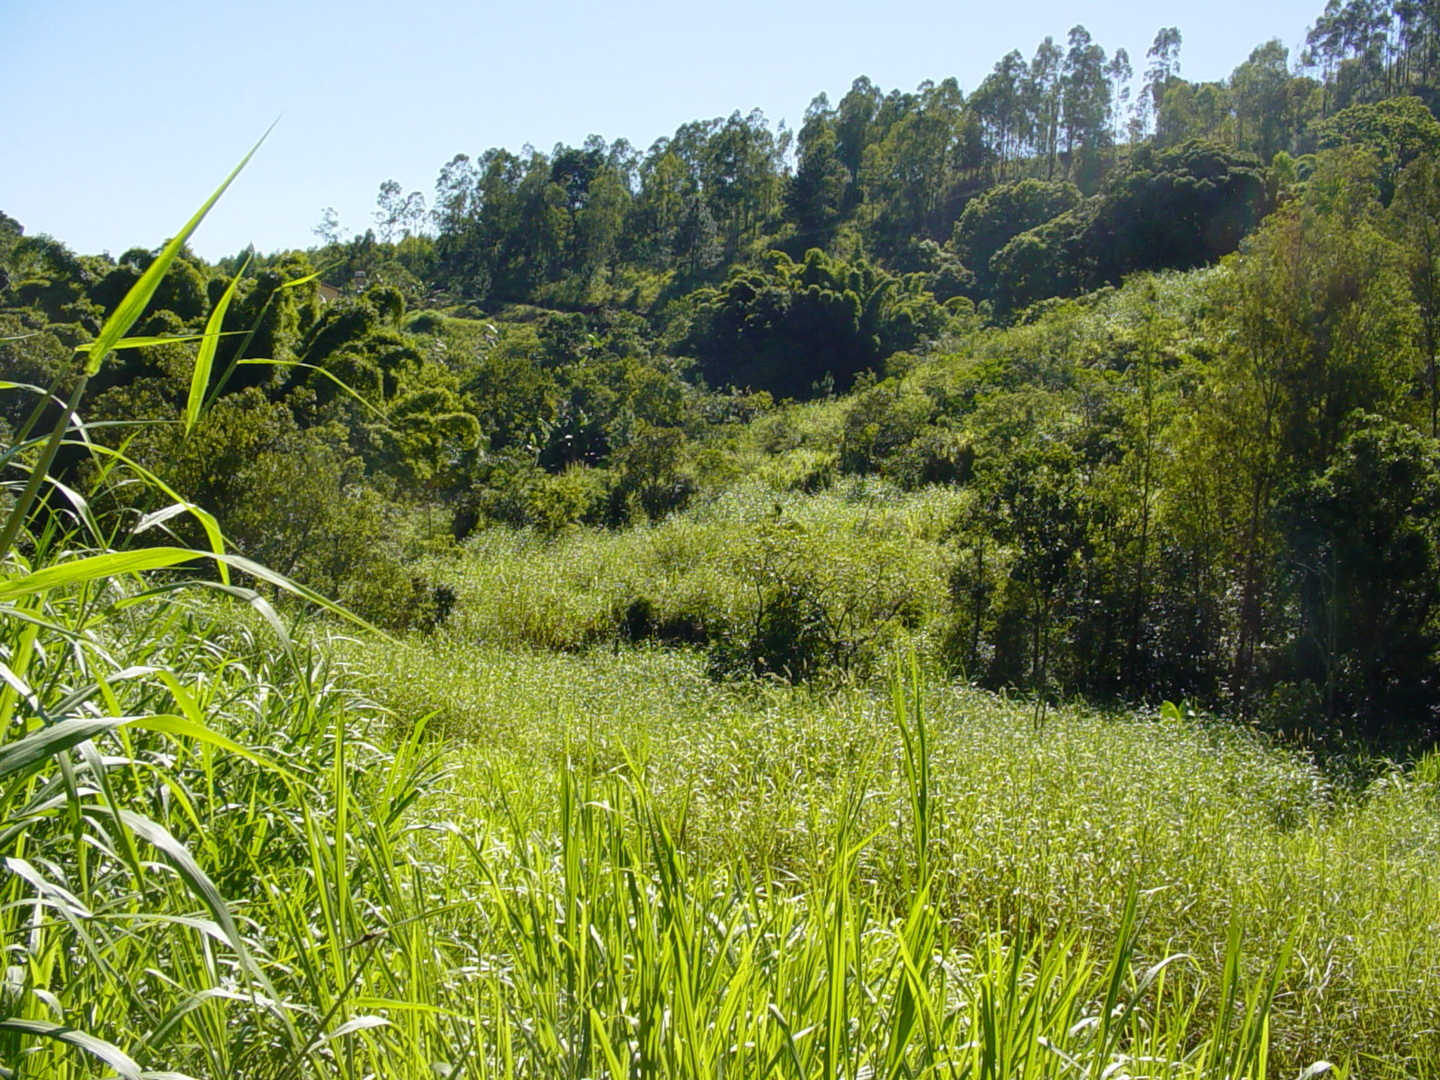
(1162, 482)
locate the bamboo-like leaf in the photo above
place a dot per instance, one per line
(59, 896)
(135, 301)
(94, 568)
(190, 728)
(280, 581)
(158, 517)
(205, 356)
(357, 1023)
(99, 567)
(109, 1053)
(296, 282)
(40, 746)
(149, 342)
(262, 607)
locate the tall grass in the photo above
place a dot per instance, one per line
(1035, 835)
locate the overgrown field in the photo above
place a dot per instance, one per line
(1042, 826)
(584, 829)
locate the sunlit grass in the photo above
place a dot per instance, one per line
(1040, 832)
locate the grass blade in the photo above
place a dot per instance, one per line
(110, 1054)
(135, 301)
(205, 356)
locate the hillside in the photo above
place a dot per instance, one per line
(953, 594)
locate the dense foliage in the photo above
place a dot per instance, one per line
(1162, 475)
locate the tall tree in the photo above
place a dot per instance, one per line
(1164, 57)
(1119, 73)
(1043, 93)
(815, 195)
(397, 214)
(1415, 218)
(1317, 327)
(1085, 108)
(1259, 92)
(999, 104)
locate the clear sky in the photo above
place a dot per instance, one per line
(120, 117)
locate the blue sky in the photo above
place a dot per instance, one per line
(121, 117)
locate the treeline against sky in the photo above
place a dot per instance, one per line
(881, 173)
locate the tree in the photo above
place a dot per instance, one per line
(1119, 73)
(789, 325)
(697, 239)
(1364, 562)
(815, 195)
(397, 214)
(999, 104)
(1194, 111)
(909, 171)
(329, 229)
(1318, 328)
(1415, 218)
(599, 225)
(1043, 94)
(10, 233)
(854, 117)
(1396, 131)
(1259, 92)
(1085, 108)
(1173, 209)
(1164, 57)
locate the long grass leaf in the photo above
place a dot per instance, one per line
(40, 746)
(109, 1053)
(188, 728)
(346, 387)
(149, 341)
(205, 355)
(95, 568)
(135, 301)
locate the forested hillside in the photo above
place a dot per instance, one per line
(1168, 346)
(949, 591)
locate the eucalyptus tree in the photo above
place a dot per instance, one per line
(1261, 101)
(1164, 57)
(815, 195)
(1043, 91)
(999, 105)
(396, 213)
(1085, 108)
